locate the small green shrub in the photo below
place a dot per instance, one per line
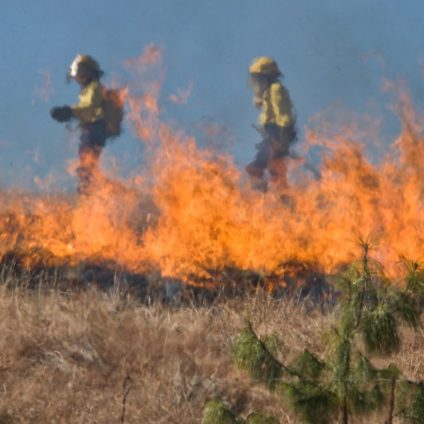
(215, 412)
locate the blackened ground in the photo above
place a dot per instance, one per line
(301, 282)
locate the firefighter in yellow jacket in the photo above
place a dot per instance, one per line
(91, 116)
(277, 123)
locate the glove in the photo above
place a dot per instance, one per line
(61, 113)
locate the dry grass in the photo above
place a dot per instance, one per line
(71, 357)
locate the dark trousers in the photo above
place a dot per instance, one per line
(92, 140)
(272, 152)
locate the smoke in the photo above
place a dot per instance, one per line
(44, 89)
(181, 97)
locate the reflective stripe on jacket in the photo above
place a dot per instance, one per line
(90, 106)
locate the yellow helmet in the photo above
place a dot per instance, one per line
(264, 65)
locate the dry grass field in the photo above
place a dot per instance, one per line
(90, 356)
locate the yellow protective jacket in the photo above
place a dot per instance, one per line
(90, 107)
(276, 106)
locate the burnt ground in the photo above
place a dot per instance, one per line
(299, 281)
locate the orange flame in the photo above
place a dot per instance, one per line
(190, 212)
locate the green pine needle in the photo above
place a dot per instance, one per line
(252, 355)
(260, 419)
(307, 366)
(215, 412)
(379, 330)
(313, 403)
(405, 307)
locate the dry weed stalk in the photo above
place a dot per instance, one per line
(64, 352)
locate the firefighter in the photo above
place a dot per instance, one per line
(91, 116)
(277, 124)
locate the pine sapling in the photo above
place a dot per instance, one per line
(345, 383)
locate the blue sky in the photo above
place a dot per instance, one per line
(332, 52)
